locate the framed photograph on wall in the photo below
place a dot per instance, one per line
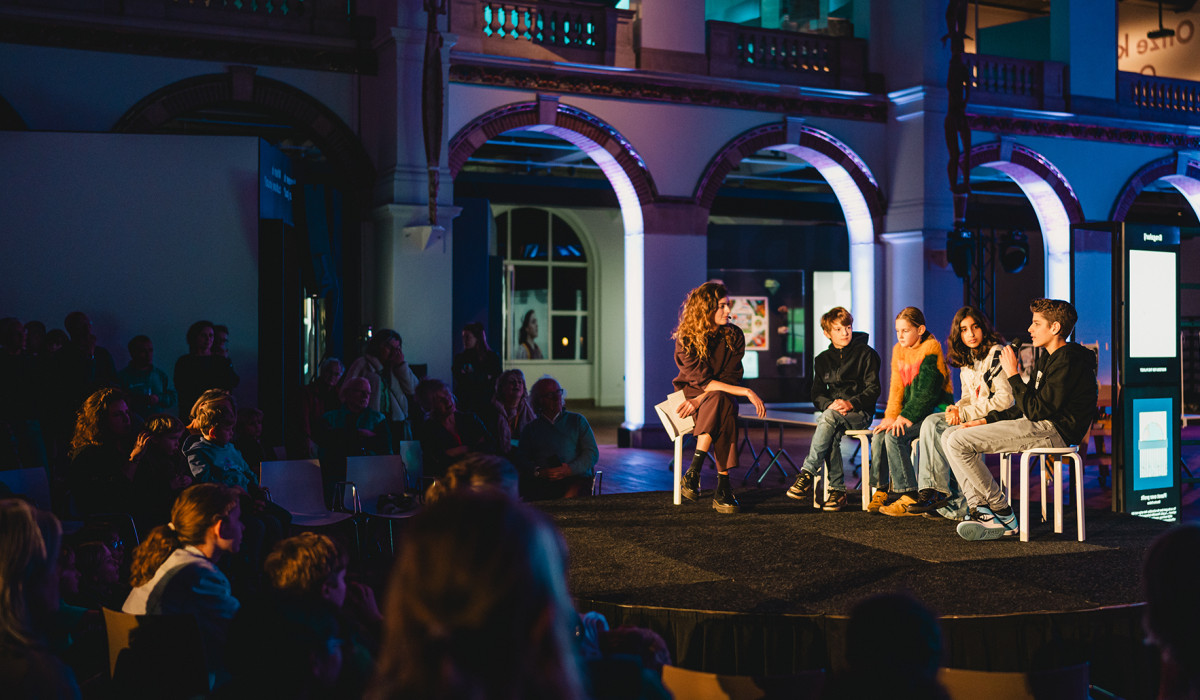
(750, 314)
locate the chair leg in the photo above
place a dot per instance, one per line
(864, 478)
(1006, 475)
(1023, 523)
(1043, 480)
(1059, 494)
(1079, 516)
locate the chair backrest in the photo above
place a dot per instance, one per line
(158, 652)
(409, 451)
(698, 685)
(1067, 683)
(295, 485)
(376, 475)
(32, 483)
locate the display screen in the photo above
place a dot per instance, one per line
(1151, 454)
(1152, 304)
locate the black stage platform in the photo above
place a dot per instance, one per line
(766, 592)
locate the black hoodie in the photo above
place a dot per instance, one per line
(1063, 391)
(850, 373)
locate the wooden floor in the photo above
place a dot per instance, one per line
(629, 470)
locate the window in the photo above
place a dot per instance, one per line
(547, 286)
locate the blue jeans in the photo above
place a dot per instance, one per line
(826, 447)
(891, 461)
(935, 469)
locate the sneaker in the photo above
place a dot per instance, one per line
(899, 507)
(984, 524)
(802, 490)
(835, 502)
(929, 500)
(878, 500)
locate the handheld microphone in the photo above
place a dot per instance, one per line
(1015, 345)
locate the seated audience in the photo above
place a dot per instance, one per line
(1169, 578)
(392, 380)
(906, 659)
(162, 473)
(475, 369)
(104, 459)
(557, 454)
(29, 548)
(56, 339)
(100, 583)
(175, 571)
(81, 366)
(146, 386)
(201, 369)
(210, 398)
(475, 472)
(510, 411)
(317, 399)
(247, 437)
(446, 434)
(351, 431)
(478, 607)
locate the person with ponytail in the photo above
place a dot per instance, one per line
(175, 569)
(708, 352)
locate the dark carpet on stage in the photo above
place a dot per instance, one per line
(779, 557)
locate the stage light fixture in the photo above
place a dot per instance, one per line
(960, 250)
(1014, 251)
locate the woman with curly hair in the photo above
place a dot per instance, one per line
(104, 458)
(708, 352)
(510, 410)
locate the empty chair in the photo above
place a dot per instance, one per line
(371, 476)
(698, 685)
(296, 486)
(1068, 683)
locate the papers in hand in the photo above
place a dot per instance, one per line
(675, 425)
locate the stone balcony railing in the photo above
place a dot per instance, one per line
(790, 58)
(542, 30)
(1153, 97)
(1014, 82)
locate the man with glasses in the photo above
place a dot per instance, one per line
(391, 379)
(557, 452)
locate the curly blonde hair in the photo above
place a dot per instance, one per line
(90, 427)
(696, 318)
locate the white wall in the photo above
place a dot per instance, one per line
(145, 234)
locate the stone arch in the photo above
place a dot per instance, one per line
(337, 141)
(1053, 199)
(630, 179)
(1180, 170)
(856, 189)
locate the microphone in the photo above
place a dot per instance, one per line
(1015, 345)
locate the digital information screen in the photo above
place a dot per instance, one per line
(1152, 451)
(1150, 306)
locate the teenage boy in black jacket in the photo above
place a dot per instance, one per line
(1053, 410)
(845, 388)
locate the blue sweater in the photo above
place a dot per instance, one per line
(219, 464)
(569, 439)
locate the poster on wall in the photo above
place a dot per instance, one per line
(530, 312)
(750, 314)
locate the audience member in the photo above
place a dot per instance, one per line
(75, 371)
(209, 399)
(1169, 577)
(905, 661)
(103, 458)
(557, 453)
(478, 607)
(201, 369)
(56, 339)
(147, 387)
(510, 411)
(446, 434)
(475, 369)
(350, 431)
(35, 338)
(247, 438)
(174, 569)
(475, 472)
(162, 473)
(29, 547)
(317, 399)
(220, 345)
(21, 400)
(392, 380)
(99, 577)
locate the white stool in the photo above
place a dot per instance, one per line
(679, 467)
(864, 483)
(1071, 453)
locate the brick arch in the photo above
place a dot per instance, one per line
(1053, 199)
(337, 141)
(804, 142)
(586, 131)
(1180, 170)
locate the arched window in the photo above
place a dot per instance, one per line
(547, 286)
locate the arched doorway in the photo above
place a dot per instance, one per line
(605, 149)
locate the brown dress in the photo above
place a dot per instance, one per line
(717, 413)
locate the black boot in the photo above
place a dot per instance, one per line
(723, 498)
(689, 485)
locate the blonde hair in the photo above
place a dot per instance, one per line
(214, 415)
(915, 318)
(197, 509)
(300, 565)
(696, 326)
(163, 424)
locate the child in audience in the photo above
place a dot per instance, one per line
(248, 437)
(975, 349)
(162, 473)
(476, 472)
(844, 390)
(174, 569)
(99, 577)
(920, 386)
(1055, 410)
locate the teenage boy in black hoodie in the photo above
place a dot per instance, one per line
(845, 388)
(1053, 410)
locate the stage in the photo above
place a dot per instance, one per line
(766, 592)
